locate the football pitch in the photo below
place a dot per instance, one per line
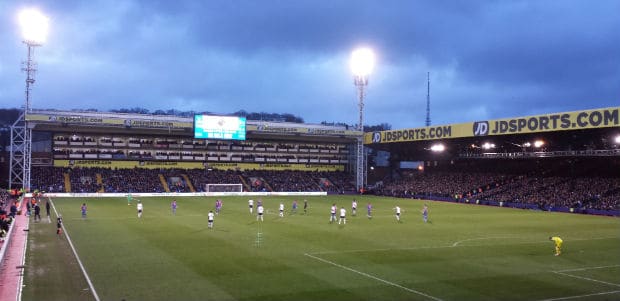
(464, 252)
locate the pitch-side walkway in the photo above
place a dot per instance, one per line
(11, 270)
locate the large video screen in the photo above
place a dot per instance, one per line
(219, 127)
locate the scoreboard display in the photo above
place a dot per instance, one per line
(219, 127)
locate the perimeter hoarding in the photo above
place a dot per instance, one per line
(588, 119)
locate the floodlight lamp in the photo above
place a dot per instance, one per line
(34, 26)
(362, 62)
(438, 147)
(488, 145)
(538, 143)
(527, 144)
(617, 139)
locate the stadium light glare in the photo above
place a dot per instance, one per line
(617, 139)
(34, 26)
(538, 143)
(488, 145)
(362, 62)
(527, 144)
(438, 147)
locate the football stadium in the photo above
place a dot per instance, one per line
(98, 204)
(450, 212)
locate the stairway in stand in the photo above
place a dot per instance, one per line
(100, 183)
(67, 182)
(164, 183)
(189, 183)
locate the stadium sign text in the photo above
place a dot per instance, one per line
(598, 118)
(555, 122)
(426, 133)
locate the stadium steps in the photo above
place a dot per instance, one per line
(245, 183)
(164, 183)
(100, 182)
(67, 182)
(189, 183)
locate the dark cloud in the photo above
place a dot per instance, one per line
(488, 59)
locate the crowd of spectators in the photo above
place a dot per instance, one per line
(442, 184)
(51, 179)
(7, 212)
(581, 193)
(84, 179)
(568, 183)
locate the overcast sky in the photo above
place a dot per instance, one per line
(487, 59)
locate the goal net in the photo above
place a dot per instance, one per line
(223, 188)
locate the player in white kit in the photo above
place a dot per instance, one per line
(343, 218)
(260, 211)
(333, 213)
(140, 208)
(397, 209)
(251, 205)
(210, 217)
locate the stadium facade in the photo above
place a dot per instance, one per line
(585, 139)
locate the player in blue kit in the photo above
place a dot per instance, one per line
(425, 213)
(84, 209)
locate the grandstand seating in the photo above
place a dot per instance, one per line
(147, 180)
(591, 184)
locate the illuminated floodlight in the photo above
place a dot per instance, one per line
(617, 139)
(527, 144)
(487, 145)
(538, 143)
(438, 147)
(34, 26)
(362, 62)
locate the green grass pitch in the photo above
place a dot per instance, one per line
(465, 252)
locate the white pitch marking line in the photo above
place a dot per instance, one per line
(373, 277)
(581, 296)
(481, 238)
(589, 268)
(455, 244)
(379, 250)
(66, 234)
(589, 279)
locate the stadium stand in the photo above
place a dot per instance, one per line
(84, 180)
(575, 167)
(587, 184)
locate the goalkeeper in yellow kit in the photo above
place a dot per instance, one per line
(558, 244)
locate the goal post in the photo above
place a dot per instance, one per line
(223, 187)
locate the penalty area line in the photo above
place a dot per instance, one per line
(589, 268)
(372, 277)
(588, 279)
(581, 296)
(90, 284)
